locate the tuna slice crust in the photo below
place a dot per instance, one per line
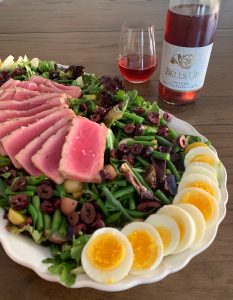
(83, 152)
(48, 157)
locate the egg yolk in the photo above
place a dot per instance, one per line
(181, 227)
(106, 252)
(194, 145)
(165, 235)
(202, 201)
(144, 248)
(202, 185)
(203, 158)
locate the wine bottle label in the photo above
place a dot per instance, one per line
(184, 68)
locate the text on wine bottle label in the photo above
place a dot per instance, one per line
(184, 68)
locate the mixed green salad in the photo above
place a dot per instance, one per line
(143, 164)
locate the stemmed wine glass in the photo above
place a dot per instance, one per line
(137, 54)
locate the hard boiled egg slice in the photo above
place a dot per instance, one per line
(194, 145)
(201, 154)
(206, 203)
(167, 229)
(202, 182)
(202, 165)
(108, 256)
(147, 247)
(200, 170)
(198, 219)
(185, 223)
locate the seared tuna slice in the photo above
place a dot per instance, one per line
(18, 94)
(31, 102)
(47, 159)
(6, 115)
(24, 156)
(11, 125)
(83, 152)
(73, 91)
(9, 83)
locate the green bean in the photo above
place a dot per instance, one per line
(8, 191)
(119, 124)
(141, 179)
(120, 183)
(113, 218)
(142, 161)
(139, 170)
(125, 191)
(56, 221)
(63, 227)
(173, 134)
(32, 211)
(36, 204)
(136, 213)
(161, 155)
(149, 130)
(145, 143)
(162, 141)
(133, 117)
(162, 197)
(102, 207)
(174, 171)
(116, 203)
(31, 188)
(32, 180)
(144, 138)
(47, 221)
(132, 204)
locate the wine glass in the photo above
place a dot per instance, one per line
(137, 54)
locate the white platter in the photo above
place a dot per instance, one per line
(23, 251)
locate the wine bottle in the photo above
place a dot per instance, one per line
(189, 33)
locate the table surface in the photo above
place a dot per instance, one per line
(87, 32)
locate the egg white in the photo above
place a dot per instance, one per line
(201, 151)
(165, 222)
(198, 220)
(184, 221)
(202, 165)
(189, 180)
(179, 199)
(202, 171)
(113, 275)
(141, 226)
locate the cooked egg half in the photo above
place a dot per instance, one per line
(200, 170)
(147, 247)
(202, 165)
(206, 203)
(185, 223)
(201, 154)
(108, 256)
(202, 182)
(167, 229)
(194, 145)
(198, 219)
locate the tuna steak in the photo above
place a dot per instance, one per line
(48, 157)
(8, 126)
(9, 83)
(19, 138)
(24, 156)
(12, 114)
(32, 102)
(18, 94)
(73, 91)
(83, 151)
